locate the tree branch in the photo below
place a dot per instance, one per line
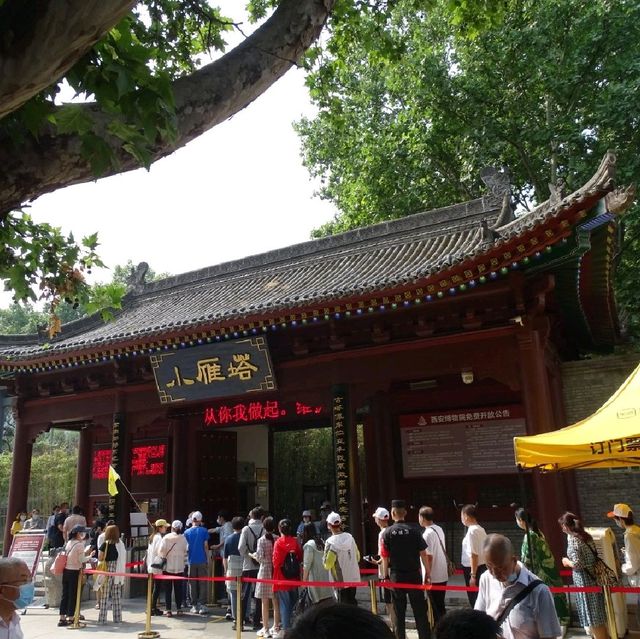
(203, 99)
(40, 40)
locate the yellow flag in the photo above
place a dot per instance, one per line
(113, 478)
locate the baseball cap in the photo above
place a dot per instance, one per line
(381, 513)
(620, 510)
(333, 519)
(177, 524)
(79, 528)
(161, 522)
(306, 513)
(196, 516)
(325, 504)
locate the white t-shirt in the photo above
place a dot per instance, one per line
(434, 535)
(472, 544)
(534, 617)
(631, 566)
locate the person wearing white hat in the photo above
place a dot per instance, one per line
(341, 557)
(381, 517)
(198, 559)
(174, 549)
(623, 516)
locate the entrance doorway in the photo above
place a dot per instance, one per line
(302, 472)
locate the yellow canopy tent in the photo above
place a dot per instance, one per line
(609, 438)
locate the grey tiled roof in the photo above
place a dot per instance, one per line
(360, 262)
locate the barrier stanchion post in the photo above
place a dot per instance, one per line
(148, 633)
(211, 599)
(611, 613)
(239, 618)
(76, 616)
(374, 598)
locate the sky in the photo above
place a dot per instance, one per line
(237, 190)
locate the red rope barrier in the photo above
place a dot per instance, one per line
(391, 585)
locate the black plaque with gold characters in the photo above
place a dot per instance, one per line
(214, 370)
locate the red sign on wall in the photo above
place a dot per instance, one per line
(148, 460)
(100, 463)
(258, 412)
(149, 466)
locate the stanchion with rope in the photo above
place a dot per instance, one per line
(212, 600)
(239, 618)
(76, 616)
(611, 613)
(148, 633)
(374, 597)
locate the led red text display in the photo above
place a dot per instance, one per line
(100, 465)
(256, 412)
(148, 460)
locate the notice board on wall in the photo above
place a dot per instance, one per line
(475, 441)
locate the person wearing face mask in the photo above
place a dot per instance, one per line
(519, 602)
(16, 593)
(623, 516)
(76, 558)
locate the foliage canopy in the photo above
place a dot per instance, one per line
(413, 104)
(142, 92)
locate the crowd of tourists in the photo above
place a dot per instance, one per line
(512, 599)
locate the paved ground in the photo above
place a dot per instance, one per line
(40, 623)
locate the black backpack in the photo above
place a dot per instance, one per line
(291, 566)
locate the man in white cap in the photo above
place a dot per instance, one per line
(381, 517)
(341, 557)
(623, 516)
(173, 548)
(198, 559)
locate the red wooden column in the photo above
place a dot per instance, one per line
(20, 474)
(84, 471)
(380, 460)
(179, 427)
(537, 397)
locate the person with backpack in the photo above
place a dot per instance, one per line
(264, 591)
(287, 564)
(341, 557)
(247, 546)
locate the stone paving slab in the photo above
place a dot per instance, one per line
(41, 623)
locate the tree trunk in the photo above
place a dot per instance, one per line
(203, 99)
(40, 40)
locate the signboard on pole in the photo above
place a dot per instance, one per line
(28, 547)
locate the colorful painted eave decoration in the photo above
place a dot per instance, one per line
(461, 278)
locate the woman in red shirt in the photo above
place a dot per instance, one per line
(286, 555)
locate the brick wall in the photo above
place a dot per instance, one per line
(587, 384)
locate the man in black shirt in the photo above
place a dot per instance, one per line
(402, 549)
(58, 523)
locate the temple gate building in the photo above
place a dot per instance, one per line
(425, 343)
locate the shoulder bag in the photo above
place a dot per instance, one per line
(161, 562)
(602, 574)
(451, 567)
(516, 600)
(102, 566)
